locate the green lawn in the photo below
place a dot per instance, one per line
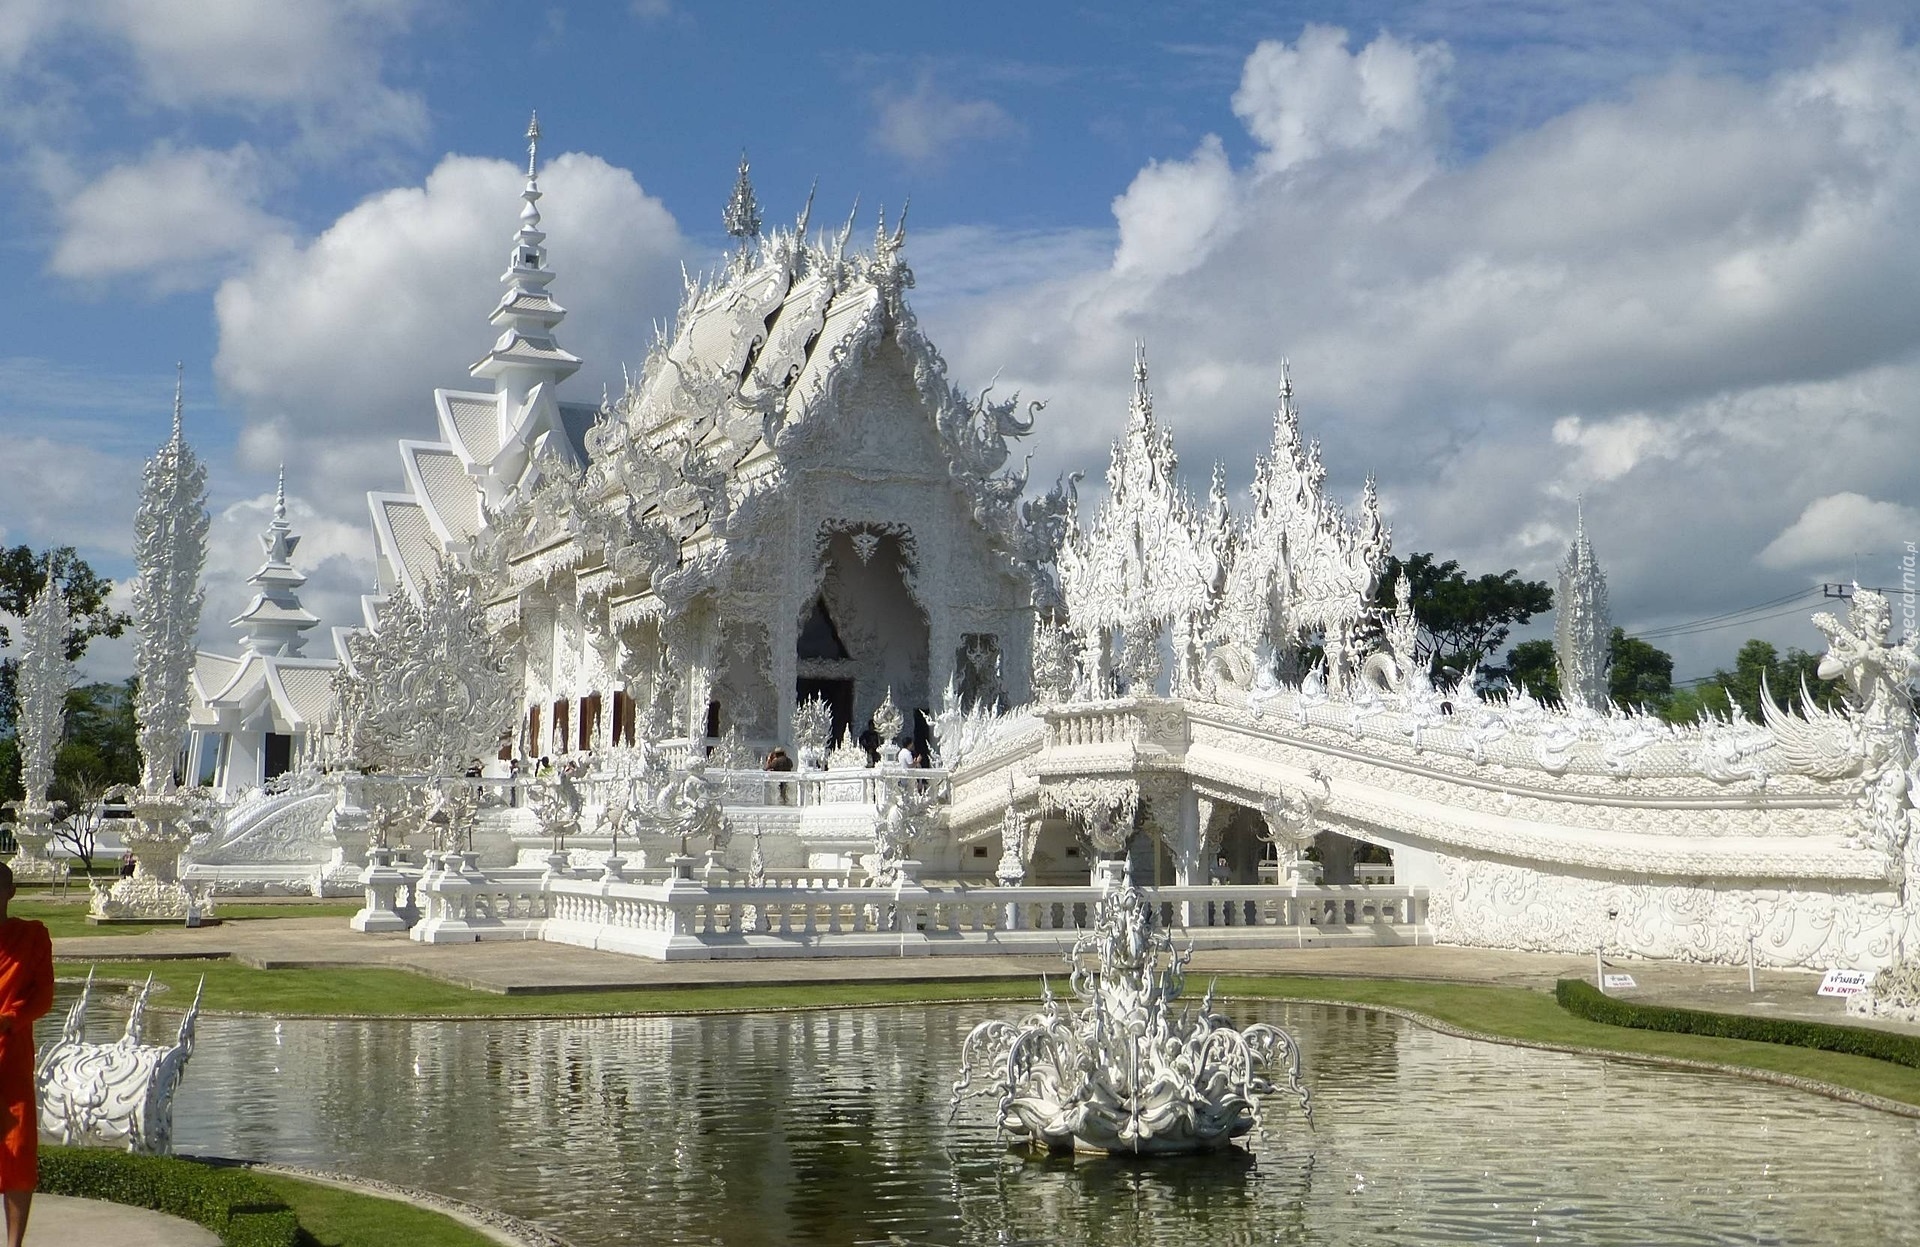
(69, 917)
(1497, 1012)
(337, 1218)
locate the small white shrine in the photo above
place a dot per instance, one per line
(255, 714)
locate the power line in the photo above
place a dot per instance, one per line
(1730, 623)
(1725, 619)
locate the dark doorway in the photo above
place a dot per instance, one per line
(277, 757)
(838, 694)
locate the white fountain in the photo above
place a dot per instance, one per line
(1121, 1071)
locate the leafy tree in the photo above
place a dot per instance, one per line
(1739, 687)
(23, 573)
(1641, 674)
(1533, 664)
(1462, 620)
(101, 747)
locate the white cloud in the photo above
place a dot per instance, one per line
(1836, 528)
(1609, 449)
(176, 217)
(318, 61)
(1313, 98)
(1169, 216)
(1697, 303)
(332, 347)
(925, 125)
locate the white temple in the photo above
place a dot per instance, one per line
(255, 714)
(792, 530)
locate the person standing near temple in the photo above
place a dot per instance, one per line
(26, 993)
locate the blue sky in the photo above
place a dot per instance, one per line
(1652, 255)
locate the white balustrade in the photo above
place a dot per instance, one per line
(807, 914)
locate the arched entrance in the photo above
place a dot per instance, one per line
(863, 635)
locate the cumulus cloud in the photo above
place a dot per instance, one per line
(926, 124)
(332, 347)
(1696, 303)
(176, 217)
(318, 61)
(1836, 528)
(1313, 98)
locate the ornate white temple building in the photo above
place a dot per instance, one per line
(791, 529)
(791, 501)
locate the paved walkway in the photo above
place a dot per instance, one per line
(519, 967)
(57, 1221)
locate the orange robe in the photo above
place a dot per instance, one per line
(26, 993)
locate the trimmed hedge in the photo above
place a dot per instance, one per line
(231, 1202)
(1581, 998)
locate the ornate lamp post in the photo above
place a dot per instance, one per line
(170, 547)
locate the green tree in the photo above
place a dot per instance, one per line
(1638, 674)
(1533, 664)
(23, 573)
(1462, 620)
(1641, 674)
(1740, 687)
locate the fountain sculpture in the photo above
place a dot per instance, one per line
(118, 1094)
(1122, 1072)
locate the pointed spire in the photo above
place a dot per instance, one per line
(274, 619)
(741, 216)
(525, 355)
(1582, 633)
(806, 213)
(179, 379)
(1140, 413)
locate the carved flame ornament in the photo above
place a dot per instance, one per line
(1121, 1071)
(118, 1094)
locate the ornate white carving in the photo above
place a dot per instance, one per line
(1582, 633)
(1121, 1071)
(431, 692)
(169, 548)
(44, 675)
(118, 1094)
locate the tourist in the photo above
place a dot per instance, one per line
(777, 760)
(26, 993)
(905, 755)
(870, 744)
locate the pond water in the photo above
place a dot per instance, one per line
(831, 1128)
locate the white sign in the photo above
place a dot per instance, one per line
(1616, 982)
(1845, 982)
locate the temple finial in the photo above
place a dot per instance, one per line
(533, 143)
(179, 378)
(280, 495)
(1142, 406)
(741, 216)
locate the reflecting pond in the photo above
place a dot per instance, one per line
(831, 1128)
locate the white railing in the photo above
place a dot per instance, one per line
(683, 917)
(750, 788)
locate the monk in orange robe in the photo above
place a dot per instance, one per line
(26, 993)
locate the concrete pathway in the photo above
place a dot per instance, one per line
(57, 1221)
(523, 967)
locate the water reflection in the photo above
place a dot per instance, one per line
(831, 1128)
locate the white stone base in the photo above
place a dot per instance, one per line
(146, 898)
